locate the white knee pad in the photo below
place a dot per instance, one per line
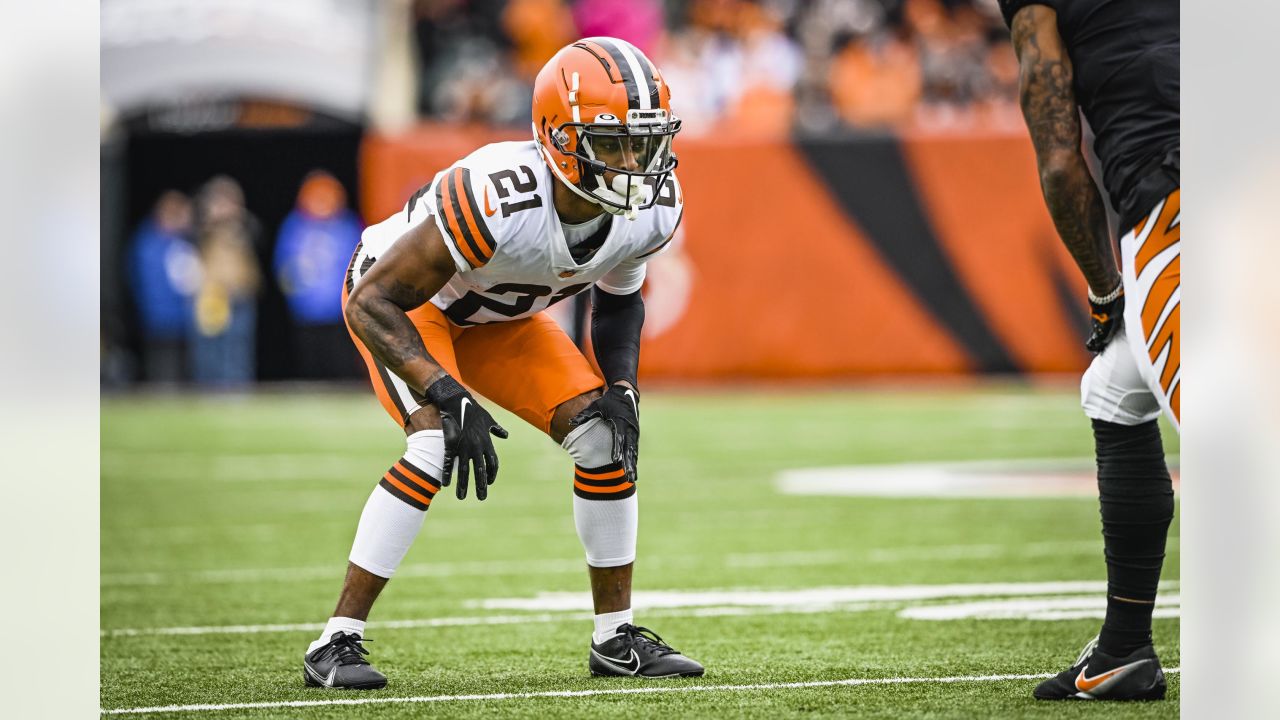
(395, 510)
(605, 508)
(1113, 388)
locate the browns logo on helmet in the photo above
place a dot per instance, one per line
(602, 118)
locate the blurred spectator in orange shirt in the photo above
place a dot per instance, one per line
(770, 66)
(876, 82)
(537, 29)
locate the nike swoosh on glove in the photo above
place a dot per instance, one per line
(620, 408)
(467, 444)
(1104, 318)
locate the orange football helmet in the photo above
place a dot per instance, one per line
(602, 118)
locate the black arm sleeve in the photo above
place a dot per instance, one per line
(615, 333)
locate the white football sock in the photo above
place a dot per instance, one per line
(607, 624)
(347, 625)
(607, 530)
(389, 522)
(606, 521)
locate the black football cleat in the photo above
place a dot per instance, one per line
(639, 652)
(1099, 676)
(340, 664)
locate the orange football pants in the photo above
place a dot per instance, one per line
(528, 366)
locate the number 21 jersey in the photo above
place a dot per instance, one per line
(495, 211)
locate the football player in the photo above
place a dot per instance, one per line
(1116, 61)
(447, 296)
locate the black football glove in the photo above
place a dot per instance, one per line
(1105, 315)
(466, 436)
(619, 407)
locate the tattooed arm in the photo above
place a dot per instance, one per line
(404, 277)
(1049, 106)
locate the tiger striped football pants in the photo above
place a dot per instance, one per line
(1139, 374)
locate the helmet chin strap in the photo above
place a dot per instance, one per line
(619, 193)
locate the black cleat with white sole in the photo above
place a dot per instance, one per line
(1099, 676)
(639, 652)
(340, 664)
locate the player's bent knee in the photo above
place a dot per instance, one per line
(596, 476)
(565, 412)
(426, 417)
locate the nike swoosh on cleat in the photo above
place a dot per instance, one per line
(462, 421)
(326, 682)
(1085, 683)
(630, 668)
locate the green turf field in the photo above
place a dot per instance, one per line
(226, 522)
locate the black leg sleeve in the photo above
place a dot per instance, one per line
(1136, 497)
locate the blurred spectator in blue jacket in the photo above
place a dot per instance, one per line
(311, 256)
(226, 308)
(164, 272)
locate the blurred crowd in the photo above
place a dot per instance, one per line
(734, 65)
(199, 265)
(195, 276)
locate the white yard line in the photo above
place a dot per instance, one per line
(923, 553)
(471, 620)
(758, 597)
(576, 607)
(334, 572)
(647, 690)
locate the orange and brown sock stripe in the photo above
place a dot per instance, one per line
(602, 483)
(410, 484)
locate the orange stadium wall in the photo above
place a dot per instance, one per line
(834, 257)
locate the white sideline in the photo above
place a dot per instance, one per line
(579, 693)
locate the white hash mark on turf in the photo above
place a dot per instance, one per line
(1025, 478)
(647, 690)
(566, 607)
(1041, 608)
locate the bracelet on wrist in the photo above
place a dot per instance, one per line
(1109, 297)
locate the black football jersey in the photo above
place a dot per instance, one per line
(1125, 58)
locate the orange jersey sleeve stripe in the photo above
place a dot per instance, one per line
(447, 204)
(474, 221)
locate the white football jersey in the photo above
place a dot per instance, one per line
(496, 212)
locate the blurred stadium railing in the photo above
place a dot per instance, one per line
(861, 193)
